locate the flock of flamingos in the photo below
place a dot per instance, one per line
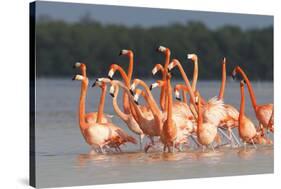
(171, 124)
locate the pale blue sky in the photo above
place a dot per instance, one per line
(146, 17)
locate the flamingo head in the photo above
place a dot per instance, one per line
(161, 49)
(101, 81)
(158, 83)
(78, 77)
(156, 68)
(224, 60)
(111, 71)
(177, 94)
(192, 57)
(171, 65)
(125, 52)
(78, 65)
(137, 94)
(112, 91)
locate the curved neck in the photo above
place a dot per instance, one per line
(81, 108)
(150, 100)
(242, 104)
(195, 75)
(116, 108)
(123, 75)
(101, 105)
(223, 81)
(190, 91)
(250, 89)
(131, 66)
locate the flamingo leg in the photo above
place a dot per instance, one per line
(141, 140)
(224, 134)
(173, 148)
(195, 141)
(253, 143)
(212, 147)
(236, 139)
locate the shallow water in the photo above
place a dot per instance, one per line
(64, 159)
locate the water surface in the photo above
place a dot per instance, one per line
(64, 159)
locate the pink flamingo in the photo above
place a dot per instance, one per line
(92, 116)
(99, 135)
(264, 113)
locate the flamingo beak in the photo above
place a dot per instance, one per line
(150, 87)
(94, 84)
(178, 98)
(120, 53)
(73, 78)
(111, 91)
(137, 103)
(132, 92)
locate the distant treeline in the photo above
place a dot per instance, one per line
(60, 44)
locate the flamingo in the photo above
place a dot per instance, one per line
(92, 116)
(230, 121)
(246, 128)
(206, 130)
(127, 118)
(99, 135)
(169, 132)
(185, 124)
(264, 113)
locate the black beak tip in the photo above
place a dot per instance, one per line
(137, 103)
(94, 84)
(157, 49)
(179, 99)
(150, 87)
(73, 78)
(111, 94)
(233, 76)
(109, 77)
(120, 53)
(132, 92)
(73, 66)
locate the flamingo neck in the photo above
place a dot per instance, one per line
(189, 89)
(250, 89)
(123, 75)
(242, 106)
(223, 82)
(131, 66)
(101, 105)
(200, 117)
(195, 75)
(81, 110)
(116, 108)
(170, 101)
